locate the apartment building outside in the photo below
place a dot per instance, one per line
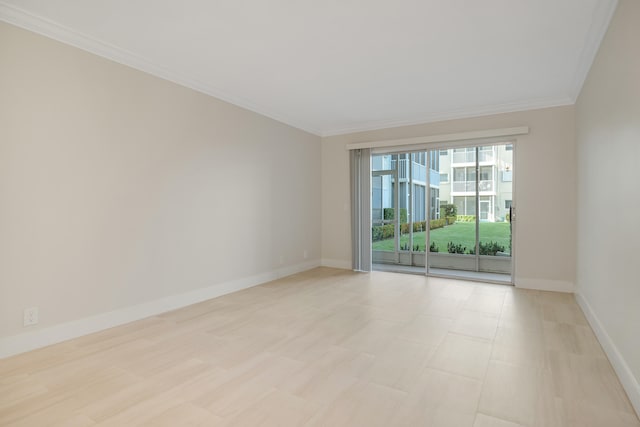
(457, 181)
(410, 171)
(452, 179)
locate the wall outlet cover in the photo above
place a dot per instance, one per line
(30, 316)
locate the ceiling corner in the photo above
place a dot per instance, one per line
(599, 24)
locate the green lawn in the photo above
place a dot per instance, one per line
(460, 232)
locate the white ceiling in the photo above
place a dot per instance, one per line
(338, 66)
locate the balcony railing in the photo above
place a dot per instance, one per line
(464, 157)
(470, 186)
(484, 156)
(419, 171)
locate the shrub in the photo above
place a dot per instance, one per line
(405, 247)
(433, 247)
(388, 231)
(437, 223)
(490, 248)
(419, 226)
(404, 228)
(456, 248)
(376, 233)
(388, 214)
(466, 218)
(450, 220)
(382, 232)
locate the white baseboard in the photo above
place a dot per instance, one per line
(544, 284)
(336, 263)
(628, 380)
(21, 343)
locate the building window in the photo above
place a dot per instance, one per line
(486, 173)
(434, 162)
(444, 152)
(466, 204)
(508, 147)
(420, 158)
(435, 203)
(507, 204)
(444, 177)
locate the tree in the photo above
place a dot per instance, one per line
(448, 210)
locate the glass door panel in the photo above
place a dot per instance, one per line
(400, 218)
(452, 235)
(494, 228)
(384, 222)
(474, 197)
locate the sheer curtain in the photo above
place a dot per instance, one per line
(361, 208)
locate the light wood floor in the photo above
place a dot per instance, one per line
(331, 348)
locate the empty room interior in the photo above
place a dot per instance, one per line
(281, 213)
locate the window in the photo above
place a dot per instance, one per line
(444, 177)
(420, 158)
(444, 152)
(486, 173)
(466, 204)
(507, 204)
(434, 162)
(435, 203)
(471, 174)
(383, 162)
(508, 147)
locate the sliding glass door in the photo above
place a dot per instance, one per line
(476, 195)
(446, 209)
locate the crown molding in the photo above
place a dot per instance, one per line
(454, 115)
(48, 28)
(599, 23)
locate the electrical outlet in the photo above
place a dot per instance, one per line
(30, 316)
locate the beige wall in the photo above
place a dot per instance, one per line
(608, 149)
(544, 181)
(118, 188)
